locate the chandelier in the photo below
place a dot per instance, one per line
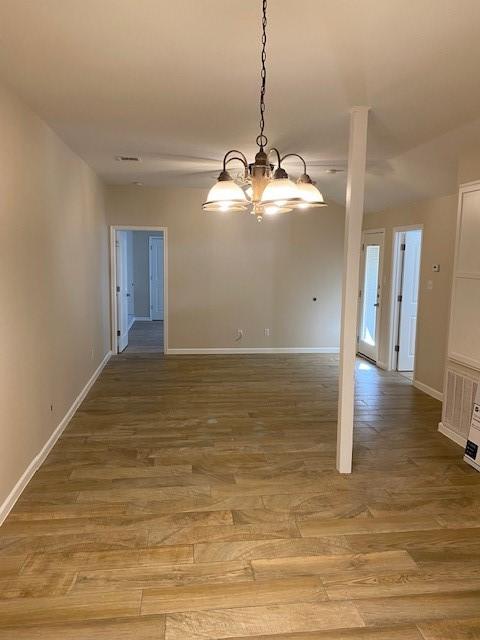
(263, 187)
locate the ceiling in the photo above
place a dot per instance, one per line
(177, 83)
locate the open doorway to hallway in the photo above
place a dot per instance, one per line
(139, 301)
(407, 248)
(369, 295)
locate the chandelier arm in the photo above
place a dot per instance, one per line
(242, 158)
(296, 155)
(279, 159)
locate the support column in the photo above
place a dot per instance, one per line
(357, 153)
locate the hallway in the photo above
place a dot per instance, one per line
(146, 337)
(197, 497)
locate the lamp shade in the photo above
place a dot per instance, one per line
(225, 195)
(281, 192)
(311, 196)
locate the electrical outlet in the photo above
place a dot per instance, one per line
(267, 331)
(240, 334)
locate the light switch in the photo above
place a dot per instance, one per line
(430, 285)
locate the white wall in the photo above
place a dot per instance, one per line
(141, 271)
(54, 319)
(227, 271)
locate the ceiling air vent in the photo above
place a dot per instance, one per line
(127, 158)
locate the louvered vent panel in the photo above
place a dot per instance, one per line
(449, 396)
(458, 405)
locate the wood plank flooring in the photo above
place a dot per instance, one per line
(196, 498)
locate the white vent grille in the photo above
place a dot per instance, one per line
(458, 405)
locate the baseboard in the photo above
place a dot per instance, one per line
(382, 365)
(239, 350)
(438, 395)
(27, 475)
(458, 439)
(143, 318)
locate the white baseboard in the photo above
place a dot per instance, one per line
(142, 318)
(438, 395)
(458, 439)
(228, 351)
(382, 365)
(27, 475)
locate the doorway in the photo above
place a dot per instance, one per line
(369, 296)
(139, 289)
(407, 250)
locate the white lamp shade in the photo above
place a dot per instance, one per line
(225, 195)
(310, 195)
(280, 191)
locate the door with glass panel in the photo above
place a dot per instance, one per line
(370, 293)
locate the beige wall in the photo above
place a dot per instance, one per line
(228, 271)
(469, 166)
(438, 217)
(53, 284)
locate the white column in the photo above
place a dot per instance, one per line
(357, 153)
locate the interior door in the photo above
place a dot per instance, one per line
(130, 283)
(122, 290)
(369, 294)
(156, 278)
(409, 302)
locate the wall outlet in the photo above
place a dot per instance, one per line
(240, 334)
(267, 331)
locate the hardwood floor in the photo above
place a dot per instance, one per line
(145, 336)
(197, 498)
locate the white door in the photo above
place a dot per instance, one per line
(369, 294)
(156, 278)
(409, 300)
(131, 286)
(122, 290)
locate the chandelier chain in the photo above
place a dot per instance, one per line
(262, 139)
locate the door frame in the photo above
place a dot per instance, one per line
(113, 281)
(365, 233)
(395, 286)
